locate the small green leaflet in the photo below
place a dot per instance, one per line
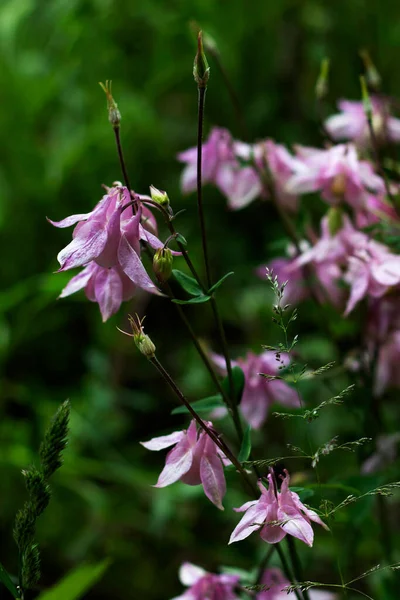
(245, 448)
(76, 583)
(6, 579)
(203, 405)
(196, 300)
(180, 239)
(238, 384)
(189, 284)
(216, 285)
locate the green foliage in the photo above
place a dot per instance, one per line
(245, 448)
(205, 405)
(79, 581)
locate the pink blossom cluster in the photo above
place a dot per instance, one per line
(343, 265)
(211, 586)
(106, 242)
(259, 392)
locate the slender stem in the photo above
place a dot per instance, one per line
(198, 347)
(286, 568)
(297, 568)
(122, 161)
(201, 101)
(263, 565)
(218, 441)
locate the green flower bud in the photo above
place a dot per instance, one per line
(159, 196)
(142, 341)
(201, 70)
(114, 116)
(321, 87)
(335, 219)
(162, 264)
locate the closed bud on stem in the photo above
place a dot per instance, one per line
(372, 76)
(162, 264)
(365, 98)
(114, 116)
(335, 219)
(321, 87)
(201, 70)
(142, 341)
(159, 196)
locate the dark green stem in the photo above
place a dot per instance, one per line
(286, 568)
(201, 102)
(122, 162)
(297, 568)
(218, 441)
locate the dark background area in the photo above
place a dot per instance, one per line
(57, 149)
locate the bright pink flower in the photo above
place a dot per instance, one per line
(108, 287)
(337, 173)
(276, 514)
(259, 393)
(195, 460)
(351, 122)
(206, 586)
(277, 582)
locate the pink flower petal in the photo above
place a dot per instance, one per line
(295, 524)
(179, 460)
(190, 574)
(212, 476)
(108, 292)
(86, 246)
(133, 267)
(78, 282)
(164, 441)
(250, 522)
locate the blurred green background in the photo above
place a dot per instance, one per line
(57, 149)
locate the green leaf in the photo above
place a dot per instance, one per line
(245, 448)
(238, 384)
(197, 300)
(216, 285)
(179, 238)
(203, 405)
(6, 579)
(76, 583)
(189, 284)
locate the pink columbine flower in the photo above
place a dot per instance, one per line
(206, 586)
(260, 393)
(195, 460)
(276, 514)
(108, 287)
(277, 582)
(351, 122)
(372, 271)
(337, 173)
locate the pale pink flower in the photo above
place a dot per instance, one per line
(194, 460)
(276, 514)
(372, 271)
(337, 173)
(108, 287)
(259, 393)
(206, 586)
(351, 123)
(277, 582)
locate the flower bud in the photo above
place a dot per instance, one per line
(321, 87)
(159, 196)
(162, 264)
(114, 116)
(201, 70)
(335, 219)
(142, 341)
(371, 72)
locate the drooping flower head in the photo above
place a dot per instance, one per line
(260, 393)
(195, 459)
(206, 586)
(275, 580)
(276, 514)
(106, 242)
(351, 123)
